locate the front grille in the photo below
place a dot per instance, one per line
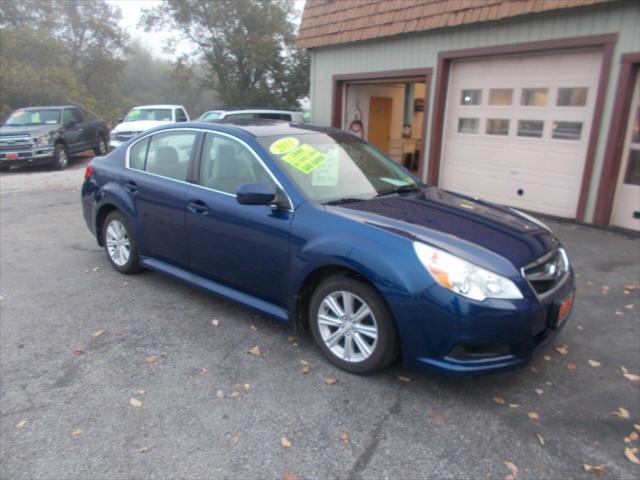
(15, 143)
(124, 136)
(548, 271)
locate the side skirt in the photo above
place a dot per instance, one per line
(216, 288)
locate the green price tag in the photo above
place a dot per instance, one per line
(304, 158)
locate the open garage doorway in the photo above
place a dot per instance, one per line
(388, 112)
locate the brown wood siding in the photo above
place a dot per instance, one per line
(331, 22)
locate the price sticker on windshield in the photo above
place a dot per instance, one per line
(284, 145)
(304, 158)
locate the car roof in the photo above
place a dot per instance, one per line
(157, 106)
(261, 127)
(48, 106)
(253, 110)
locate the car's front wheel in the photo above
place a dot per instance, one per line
(352, 325)
(120, 244)
(60, 156)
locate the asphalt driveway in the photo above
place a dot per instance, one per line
(105, 376)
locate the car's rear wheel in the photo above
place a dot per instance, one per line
(352, 325)
(60, 156)
(101, 146)
(119, 243)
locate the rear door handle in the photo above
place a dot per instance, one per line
(198, 207)
(131, 187)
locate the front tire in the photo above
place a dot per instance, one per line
(120, 244)
(60, 156)
(352, 325)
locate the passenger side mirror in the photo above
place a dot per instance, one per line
(120, 119)
(259, 193)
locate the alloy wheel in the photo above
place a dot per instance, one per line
(118, 245)
(347, 326)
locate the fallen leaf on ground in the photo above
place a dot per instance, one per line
(76, 432)
(562, 350)
(514, 405)
(632, 377)
(534, 370)
(622, 412)
(512, 468)
(235, 438)
(77, 353)
(594, 364)
(234, 394)
(632, 437)
(289, 476)
(547, 358)
(404, 379)
(619, 312)
(590, 283)
(119, 332)
(631, 306)
(284, 441)
(437, 416)
(330, 381)
(636, 426)
(247, 386)
(630, 453)
(255, 351)
(632, 287)
(97, 333)
(304, 362)
(220, 394)
(135, 402)
(599, 469)
(151, 359)
(21, 423)
(540, 439)
(344, 436)
(539, 391)
(579, 327)
(215, 322)
(499, 400)
(533, 415)
(306, 369)
(203, 372)
(292, 338)
(95, 269)
(143, 450)
(571, 366)
(238, 386)
(141, 392)
(253, 327)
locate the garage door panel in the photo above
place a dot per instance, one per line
(544, 150)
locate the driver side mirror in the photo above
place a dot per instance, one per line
(259, 193)
(120, 119)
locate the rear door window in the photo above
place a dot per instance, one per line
(166, 154)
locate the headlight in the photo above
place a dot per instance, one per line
(531, 219)
(464, 278)
(43, 140)
(112, 135)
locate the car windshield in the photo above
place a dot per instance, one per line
(47, 116)
(336, 167)
(211, 116)
(153, 114)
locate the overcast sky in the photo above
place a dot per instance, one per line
(152, 41)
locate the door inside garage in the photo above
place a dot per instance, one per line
(517, 129)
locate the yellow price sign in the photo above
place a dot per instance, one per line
(305, 158)
(284, 145)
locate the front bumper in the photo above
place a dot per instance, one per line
(464, 338)
(26, 157)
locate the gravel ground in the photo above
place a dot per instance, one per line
(66, 389)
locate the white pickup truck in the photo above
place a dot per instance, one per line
(143, 118)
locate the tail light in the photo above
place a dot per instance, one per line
(88, 172)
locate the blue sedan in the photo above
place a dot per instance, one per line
(320, 230)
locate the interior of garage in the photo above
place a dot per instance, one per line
(390, 115)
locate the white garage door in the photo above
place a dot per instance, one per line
(517, 129)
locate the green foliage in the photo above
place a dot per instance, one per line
(246, 48)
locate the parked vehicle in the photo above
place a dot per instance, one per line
(144, 117)
(245, 113)
(37, 135)
(320, 230)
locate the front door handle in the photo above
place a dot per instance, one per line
(131, 187)
(198, 207)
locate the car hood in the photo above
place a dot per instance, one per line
(34, 130)
(140, 126)
(456, 222)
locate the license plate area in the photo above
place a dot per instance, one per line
(11, 156)
(560, 311)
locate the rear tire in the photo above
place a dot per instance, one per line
(60, 156)
(352, 325)
(101, 147)
(119, 244)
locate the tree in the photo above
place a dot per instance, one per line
(246, 48)
(61, 51)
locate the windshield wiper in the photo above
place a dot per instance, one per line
(343, 200)
(400, 189)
